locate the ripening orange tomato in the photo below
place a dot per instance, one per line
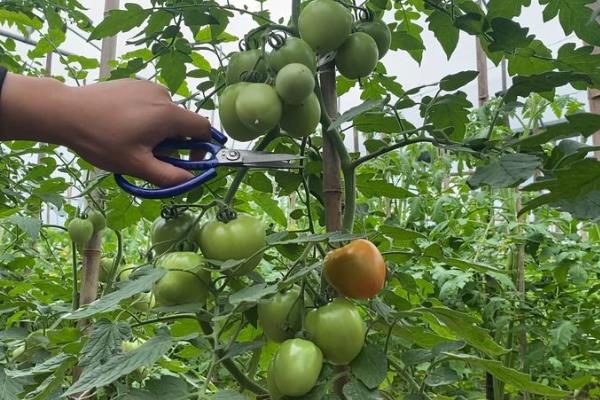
(356, 270)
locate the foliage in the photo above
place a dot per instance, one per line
(437, 196)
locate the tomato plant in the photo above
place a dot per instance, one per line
(460, 227)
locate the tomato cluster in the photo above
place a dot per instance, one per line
(265, 90)
(249, 109)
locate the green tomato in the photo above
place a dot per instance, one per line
(238, 239)
(127, 347)
(105, 267)
(294, 50)
(281, 316)
(301, 120)
(258, 107)
(380, 32)
(357, 58)
(229, 118)
(296, 367)
(294, 83)
(338, 330)
(169, 235)
(97, 220)
(271, 386)
(243, 64)
(143, 302)
(80, 231)
(325, 25)
(185, 282)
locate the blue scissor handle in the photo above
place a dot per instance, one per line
(165, 192)
(208, 166)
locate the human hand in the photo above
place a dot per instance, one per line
(114, 125)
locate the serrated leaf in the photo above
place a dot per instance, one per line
(444, 30)
(379, 188)
(252, 294)
(441, 376)
(370, 366)
(228, 395)
(120, 21)
(123, 364)
(507, 9)
(270, 206)
(455, 81)
(9, 389)
(354, 112)
(355, 390)
(142, 281)
(562, 334)
(513, 377)
(104, 342)
(509, 170)
(574, 16)
(507, 36)
(523, 86)
(31, 226)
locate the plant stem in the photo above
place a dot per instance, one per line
(295, 13)
(237, 181)
(228, 363)
(75, 284)
(116, 262)
(396, 146)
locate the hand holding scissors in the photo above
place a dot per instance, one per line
(219, 156)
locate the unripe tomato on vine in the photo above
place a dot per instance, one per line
(356, 270)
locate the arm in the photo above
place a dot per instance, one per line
(113, 125)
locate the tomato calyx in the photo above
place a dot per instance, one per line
(226, 214)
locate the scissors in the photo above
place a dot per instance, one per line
(219, 156)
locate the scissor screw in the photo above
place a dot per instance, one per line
(233, 155)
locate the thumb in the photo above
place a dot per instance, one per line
(163, 174)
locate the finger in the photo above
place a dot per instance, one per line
(197, 155)
(163, 174)
(190, 124)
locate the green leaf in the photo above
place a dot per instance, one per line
(442, 26)
(455, 81)
(523, 86)
(52, 383)
(252, 294)
(141, 281)
(228, 395)
(167, 387)
(173, 69)
(581, 59)
(380, 188)
(449, 112)
(370, 366)
(271, 207)
(575, 189)
(400, 234)
(470, 266)
(473, 23)
(513, 377)
(104, 342)
(48, 43)
(120, 21)
(20, 18)
(9, 389)
(354, 112)
(441, 376)
(506, 9)
(31, 226)
(562, 334)
(260, 182)
(377, 122)
(122, 212)
(508, 36)
(355, 390)
(574, 16)
(585, 124)
(508, 171)
(535, 59)
(123, 364)
(467, 329)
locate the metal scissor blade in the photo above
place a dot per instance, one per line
(274, 165)
(249, 157)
